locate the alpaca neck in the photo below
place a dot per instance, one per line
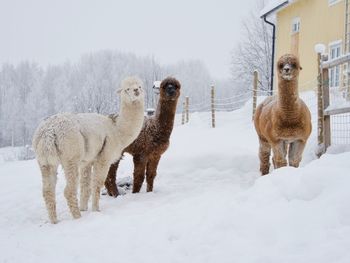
(165, 114)
(288, 96)
(130, 114)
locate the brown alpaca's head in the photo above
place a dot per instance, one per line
(170, 89)
(288, 67)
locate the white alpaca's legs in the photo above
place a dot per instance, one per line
(49, 179)
(99, 177)
(70, 191)
(85, 187)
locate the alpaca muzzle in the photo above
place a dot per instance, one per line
(287, 69)
(136, 92)
(287, 72)
(170, 91)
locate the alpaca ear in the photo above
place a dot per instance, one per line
(119, 91)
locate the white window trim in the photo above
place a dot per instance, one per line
(332, 70)
(333, 2)
(333, 43)
(295, 20)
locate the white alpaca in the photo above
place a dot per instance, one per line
(81, 141)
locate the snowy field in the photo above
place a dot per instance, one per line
(209, 205)
(8, 154)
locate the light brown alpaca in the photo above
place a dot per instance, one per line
(283, 121)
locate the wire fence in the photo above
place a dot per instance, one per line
(205, 111)
(340, 123)
(340, 132)
(334, 89)
(222, 104)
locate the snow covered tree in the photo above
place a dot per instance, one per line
(195, 80)
(29, 93)
(253, 52)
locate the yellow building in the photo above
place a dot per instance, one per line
(301, 24)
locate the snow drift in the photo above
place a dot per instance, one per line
(209, 205)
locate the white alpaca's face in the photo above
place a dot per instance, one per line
(132, 90)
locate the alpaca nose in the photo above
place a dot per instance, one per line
(136, 92)
(170, 90)
(286, 68)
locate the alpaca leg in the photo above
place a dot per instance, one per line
(71, 172)
(139, 173)
(110, 182)
(151, 172)
(49, 179)
(264, 155)
(99, 177)
(85, 187)
(279, 154)
(295, 153)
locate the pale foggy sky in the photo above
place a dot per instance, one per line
(51, 32)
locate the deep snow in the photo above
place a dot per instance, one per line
(209, 205)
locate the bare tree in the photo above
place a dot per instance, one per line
(253, 52)
(29, 93)
(195, 80)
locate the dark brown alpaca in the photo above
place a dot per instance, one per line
(283, 122)
(152, 142)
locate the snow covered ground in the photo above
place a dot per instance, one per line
(209, 205)
(8, 154)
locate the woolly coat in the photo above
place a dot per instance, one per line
(283, 121)
(85, 140)
(152, 141)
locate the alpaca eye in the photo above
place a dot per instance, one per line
(294, 65)
(280, 66)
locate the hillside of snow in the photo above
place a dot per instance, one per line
(209, 205)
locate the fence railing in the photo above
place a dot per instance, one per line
(330, 105)
(333, 118)
(213, 104)
(333, 110)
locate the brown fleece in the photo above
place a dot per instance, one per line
(283, 121)
(151, 143)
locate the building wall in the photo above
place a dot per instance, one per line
(319, 23)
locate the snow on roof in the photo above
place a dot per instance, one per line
(272, 6)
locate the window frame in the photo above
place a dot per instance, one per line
(334, 72)
(296, 21)
(333, 2)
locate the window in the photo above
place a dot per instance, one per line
(334, 73)
(333, 2)
(295, 25)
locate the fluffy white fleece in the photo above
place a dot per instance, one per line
(81, 141)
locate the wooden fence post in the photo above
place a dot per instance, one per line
(347, 96)
(187, 102)
(324, 121)
(320, 119)
(326, 118)
(183, 113)
(212, 107)
(255, 91)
